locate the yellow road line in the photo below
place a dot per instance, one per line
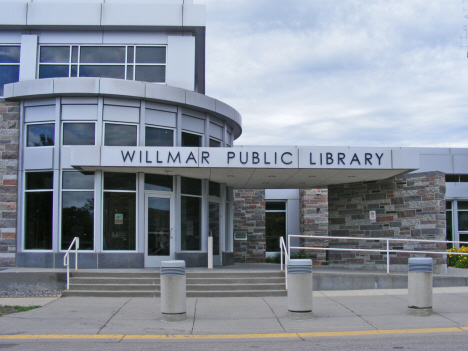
(235, 336)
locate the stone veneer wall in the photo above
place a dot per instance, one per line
(410, 206)
(249, 221)
(9, 135)
(314, 221)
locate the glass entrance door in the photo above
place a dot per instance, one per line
(214, 228)
(159, 243)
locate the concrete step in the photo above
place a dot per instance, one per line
(110, 293)
(115, 287)
(234, 287)
(211, 293)
(199, 284)
(121, 280)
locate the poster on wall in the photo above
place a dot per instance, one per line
(118, 218)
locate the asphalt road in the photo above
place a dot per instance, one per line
(426, 342)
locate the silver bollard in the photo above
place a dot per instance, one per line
(173, 291)
(420, 286)
(300, 289)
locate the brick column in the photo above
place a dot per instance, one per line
(9, 135)
(249, 222)
(314, 221)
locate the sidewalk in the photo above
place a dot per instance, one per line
(334, 311)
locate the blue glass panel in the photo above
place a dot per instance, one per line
(120, 135)
(40, 135)
(102, 54)
(8, 74)
(159, 137)
(148, 54)
(154, 74)
(103, 71)
(78, 180)
(9, 54)
(53, 71)
(78, 134)
(54, 54)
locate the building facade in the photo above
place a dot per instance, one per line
(107, 135)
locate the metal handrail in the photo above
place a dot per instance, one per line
(286, 254)
(387, 250)
(66, 259)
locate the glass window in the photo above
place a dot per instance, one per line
(53, 71)
(189, 139)
(40, 134)
(144, 63)
(153, 74)
(275, 206)
(119, 221)
(119, 181)
(117, 72)
(215, 143)
(150, 54)
(158, 182)
(215, 189)
(119, 211)
(120, 135)
(39, 181)
(449, 226)
(102, 54)
(159, 137)
(54, 54)
(38, 200)
(78, 134)
(191, 186)
(78, 218)
(190, 223)
(77, 180)
(275, 224)
(9, 65)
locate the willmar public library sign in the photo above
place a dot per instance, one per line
(245, 157)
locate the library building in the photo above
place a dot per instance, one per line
(106, 134)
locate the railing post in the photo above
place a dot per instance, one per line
(68, 276)
(388, 256)
(77, 246)
(281, 252)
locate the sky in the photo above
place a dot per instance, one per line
(341, 72)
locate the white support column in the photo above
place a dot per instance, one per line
(28, 57)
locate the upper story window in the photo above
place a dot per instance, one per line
(40, 134)
(189, 139)
(9, 65)
(159, 137)
(142, 63)
(78, 134)
(120, 135)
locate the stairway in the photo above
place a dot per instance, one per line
(199, 284)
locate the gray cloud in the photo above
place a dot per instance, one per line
(341, 72)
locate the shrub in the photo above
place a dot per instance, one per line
(299, 254)
(274, 259)
(458, 261)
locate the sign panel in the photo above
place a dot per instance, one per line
(242, 157)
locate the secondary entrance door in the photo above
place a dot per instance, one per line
(159, 243)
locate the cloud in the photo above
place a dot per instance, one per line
(380, 73)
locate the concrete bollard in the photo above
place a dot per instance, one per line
(300, 289)
(173, 291)
(420, 286)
